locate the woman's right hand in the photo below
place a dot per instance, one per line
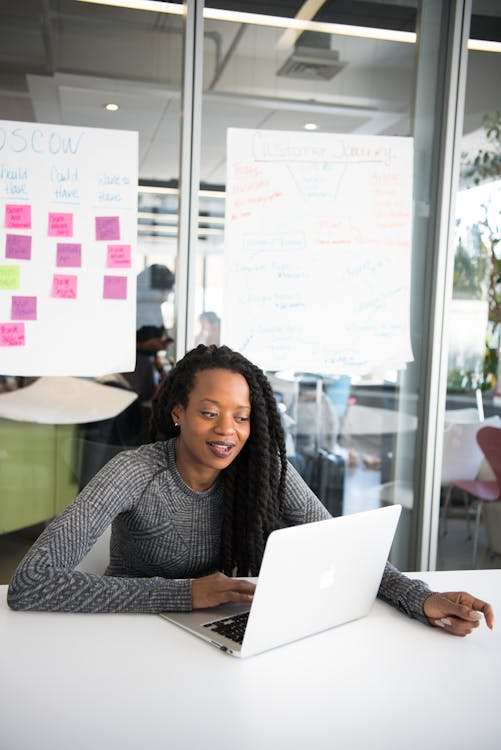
(217, 588)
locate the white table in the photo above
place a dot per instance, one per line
(134, 682)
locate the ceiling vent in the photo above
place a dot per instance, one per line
(312, 64)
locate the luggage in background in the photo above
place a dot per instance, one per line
(324, 473)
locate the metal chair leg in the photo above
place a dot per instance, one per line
(445, 509)
(477, 528)
(466, 500)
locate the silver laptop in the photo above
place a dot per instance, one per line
(312, 578)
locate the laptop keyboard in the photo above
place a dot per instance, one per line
(231, 627)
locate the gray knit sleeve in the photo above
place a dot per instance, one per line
(302, 506)
(46, 578)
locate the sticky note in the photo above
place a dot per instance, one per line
(60, 225)
(10, 277)
(18, 246)
(69, 255)
(107, 228)
(17, 216)
(115, 287)
(118, 256)
(64, 287)
(12, 334)
(24, 308)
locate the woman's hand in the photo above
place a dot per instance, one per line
(219, 589)
(457, 612)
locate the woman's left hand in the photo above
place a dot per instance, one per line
(457, 612)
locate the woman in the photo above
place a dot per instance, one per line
(194, 507)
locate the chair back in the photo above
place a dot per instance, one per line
(489, 440)
(462, 455)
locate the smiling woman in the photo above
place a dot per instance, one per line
(195, 507)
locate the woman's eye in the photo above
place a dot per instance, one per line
(242, 419)
(209, 414)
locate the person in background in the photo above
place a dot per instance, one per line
(210, 329)
(195, 507)
(149, 370)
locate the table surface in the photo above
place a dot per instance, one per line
(136, 681)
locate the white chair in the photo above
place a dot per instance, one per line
(97, 558)
(462, 458)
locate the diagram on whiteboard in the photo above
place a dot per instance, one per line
(68, 218)
(318, 250)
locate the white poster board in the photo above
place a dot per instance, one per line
(318, 250)
(68, 227)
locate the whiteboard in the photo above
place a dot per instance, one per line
(68, 225)
(318, 250)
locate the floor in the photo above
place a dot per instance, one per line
(361, 492)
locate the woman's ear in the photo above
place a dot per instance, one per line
(175, 414)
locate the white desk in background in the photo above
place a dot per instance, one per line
(136, 682)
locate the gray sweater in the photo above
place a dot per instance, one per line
(164, 534)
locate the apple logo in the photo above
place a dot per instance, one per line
(327, 577)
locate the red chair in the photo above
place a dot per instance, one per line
(483, 491)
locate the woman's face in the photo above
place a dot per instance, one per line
(214, 426)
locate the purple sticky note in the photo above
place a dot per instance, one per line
(60, 225)
(12, 334)
(17, 216)
(115, 287)
(24, 308)
(107, 228)
(64, 287)
(118, 256)
(69, 255)
(18, 246)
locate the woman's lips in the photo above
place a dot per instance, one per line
(221, 450)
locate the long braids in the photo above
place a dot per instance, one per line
(254, 483)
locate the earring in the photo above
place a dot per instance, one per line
(176, 424)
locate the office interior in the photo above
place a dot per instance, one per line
(181, 75)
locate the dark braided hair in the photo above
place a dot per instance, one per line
(254, 483)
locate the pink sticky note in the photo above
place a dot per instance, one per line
(107, 228)
(60, 225)
(115, 287)
(24, 308)
(64, 287)
(17, 216)
(69, 255)
(118, 256)
(12, 334)
(18, 246)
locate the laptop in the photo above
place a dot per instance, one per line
(313, 577)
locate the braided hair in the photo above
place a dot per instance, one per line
(254, 483)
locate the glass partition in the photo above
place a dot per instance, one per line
(97, 66)
(470, 531)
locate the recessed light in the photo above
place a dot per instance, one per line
(310, 126)
(111, 107)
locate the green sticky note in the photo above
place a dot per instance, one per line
(10, 277)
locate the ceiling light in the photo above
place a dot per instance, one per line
(310, 126)
(111, 107)
(482, 45)
(297, 24)
(156, 6)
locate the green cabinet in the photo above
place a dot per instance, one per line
(39, 470)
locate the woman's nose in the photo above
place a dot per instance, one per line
(225, 425)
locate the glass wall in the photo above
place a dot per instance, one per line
(353, 433)
(79, 64)
(368, 70)
(470, 534)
